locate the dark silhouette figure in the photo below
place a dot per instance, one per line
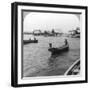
(66, 42)
(29, 38)
(50, 45)
(34, 38)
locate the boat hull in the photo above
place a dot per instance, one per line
(74, 69)
(30, 41)
(59, 50)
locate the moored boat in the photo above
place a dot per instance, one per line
(76, 36)
(59, 49)
(30, 41)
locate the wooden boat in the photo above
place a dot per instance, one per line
(76, 36)
(30, 41)
(74, 69)
(59, 50)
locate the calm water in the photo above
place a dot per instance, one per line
(37, 60)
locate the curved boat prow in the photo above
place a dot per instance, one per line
(74, 69)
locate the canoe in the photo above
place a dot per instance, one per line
(74, 69)
(30, 41)
(76, 36)
(59, 50)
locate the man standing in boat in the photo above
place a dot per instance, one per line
(50, 45)
(34, 38)
(66, 42)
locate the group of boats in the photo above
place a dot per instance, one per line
(73, 69)
(53, 50)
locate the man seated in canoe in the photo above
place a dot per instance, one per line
(66, 43)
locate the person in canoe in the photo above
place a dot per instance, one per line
(30, 39)
(66, 42)
(50, 45)
(34, 39)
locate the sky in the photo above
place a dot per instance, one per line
(48, 21)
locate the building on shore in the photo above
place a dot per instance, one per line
(74, 33)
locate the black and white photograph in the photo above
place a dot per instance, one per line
(51, 44)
